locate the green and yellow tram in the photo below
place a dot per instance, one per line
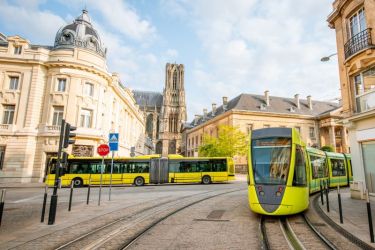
(283, 172)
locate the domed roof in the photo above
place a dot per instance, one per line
(80, 33)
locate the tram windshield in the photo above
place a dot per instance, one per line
(271, 160)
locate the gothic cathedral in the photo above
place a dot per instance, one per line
(165, 113)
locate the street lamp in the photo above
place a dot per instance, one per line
(326, 58)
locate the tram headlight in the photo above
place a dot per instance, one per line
(278, 193)
(261, 193)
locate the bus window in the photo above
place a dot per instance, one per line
(174, 166)
(204, 166)
(52, 166)
(338, 167)
(218, 166)
(141, 167)
(188, 167)
(95, 167)
(299, 178)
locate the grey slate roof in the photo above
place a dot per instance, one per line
(278, 105)
(148, 98)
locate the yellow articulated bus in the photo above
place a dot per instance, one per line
(143, 170)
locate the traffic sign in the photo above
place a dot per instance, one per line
(113, 141)
(103, 150)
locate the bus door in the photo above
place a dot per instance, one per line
(159, 170)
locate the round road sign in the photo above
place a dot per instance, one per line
(103, 150)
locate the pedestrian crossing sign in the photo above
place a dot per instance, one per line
(113, 141)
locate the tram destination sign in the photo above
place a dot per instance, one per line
(103, 150)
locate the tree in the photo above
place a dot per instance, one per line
(327, 148)
(229, 142)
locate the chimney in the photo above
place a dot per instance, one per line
(267, 97)
(309, 102)
(225, 102)
(213, 109)
(296, 97)
(204, 114)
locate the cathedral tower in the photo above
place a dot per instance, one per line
(173, 113)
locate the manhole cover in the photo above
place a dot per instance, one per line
(215, 214)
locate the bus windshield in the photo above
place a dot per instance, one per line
(271, 160)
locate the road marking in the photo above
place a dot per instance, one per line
(26, 199)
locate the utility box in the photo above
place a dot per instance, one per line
(357, 190)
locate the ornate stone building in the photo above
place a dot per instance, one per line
(41, 85)
(354, 23)
(165, 112)
(316, 121)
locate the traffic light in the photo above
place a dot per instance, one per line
(63, 164)
(68, 136)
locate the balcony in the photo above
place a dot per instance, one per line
(358, 42)
(366, 102)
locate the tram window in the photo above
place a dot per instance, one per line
(318, 166)
(338, 167)
(299, 178)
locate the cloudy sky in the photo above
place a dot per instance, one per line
(228, 47)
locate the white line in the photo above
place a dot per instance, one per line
(27, 199)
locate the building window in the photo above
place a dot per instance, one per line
(61, 84)
(89, 89)
(86, 116)
(357, 23)
(174, 85)
(196, 141)
(17, 50)
(249, 128)
(189, 143)
(8, 114)
(312, 132)
(2, 154)
(364, 86)
(266, 126)
(13, 82)
(58, 113)
(298, 129)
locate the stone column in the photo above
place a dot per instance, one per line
(344, 139)
(332, 138)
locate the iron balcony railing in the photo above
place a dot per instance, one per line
(358, 42)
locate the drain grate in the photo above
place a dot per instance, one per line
(215, 214)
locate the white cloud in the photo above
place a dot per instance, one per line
(251, 46)
(30, 22)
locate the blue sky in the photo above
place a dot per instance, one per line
(227, 47)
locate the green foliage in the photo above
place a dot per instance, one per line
(327, 148)
(230, 142)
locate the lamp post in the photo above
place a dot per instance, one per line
(326, 58)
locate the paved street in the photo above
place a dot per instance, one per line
(224, 216)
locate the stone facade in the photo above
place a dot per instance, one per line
(317, 121)
(165, 113)
(40, 85)
(354, 23)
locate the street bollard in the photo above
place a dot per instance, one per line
(44, 203)
(327, 200)
(321, 194)
(88, 192)
(3, 192)
(369, 215)
(339, 199)
(71, 195)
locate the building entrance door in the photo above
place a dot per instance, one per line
(368, 151)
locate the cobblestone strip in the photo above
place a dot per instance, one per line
(274, 233)
(307, 237)
(127, 232)
(60, 237)
(332, 235)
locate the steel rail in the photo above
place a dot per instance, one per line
(264, 243)
(289, 234)
(328, 243)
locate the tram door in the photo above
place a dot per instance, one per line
(159, 171)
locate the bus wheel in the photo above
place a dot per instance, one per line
(77, 182)
(139, 181)
(206, 179)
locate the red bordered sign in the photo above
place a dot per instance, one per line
(103, 150)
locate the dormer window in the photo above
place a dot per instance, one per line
(292, 109)
(263, 106)
(17, 50)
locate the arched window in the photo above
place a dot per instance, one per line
(149, 125)
(174, 83)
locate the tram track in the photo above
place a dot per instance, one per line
(123, 233)
(294, 232)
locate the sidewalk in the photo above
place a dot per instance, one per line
(22, 185)
(355, 219)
